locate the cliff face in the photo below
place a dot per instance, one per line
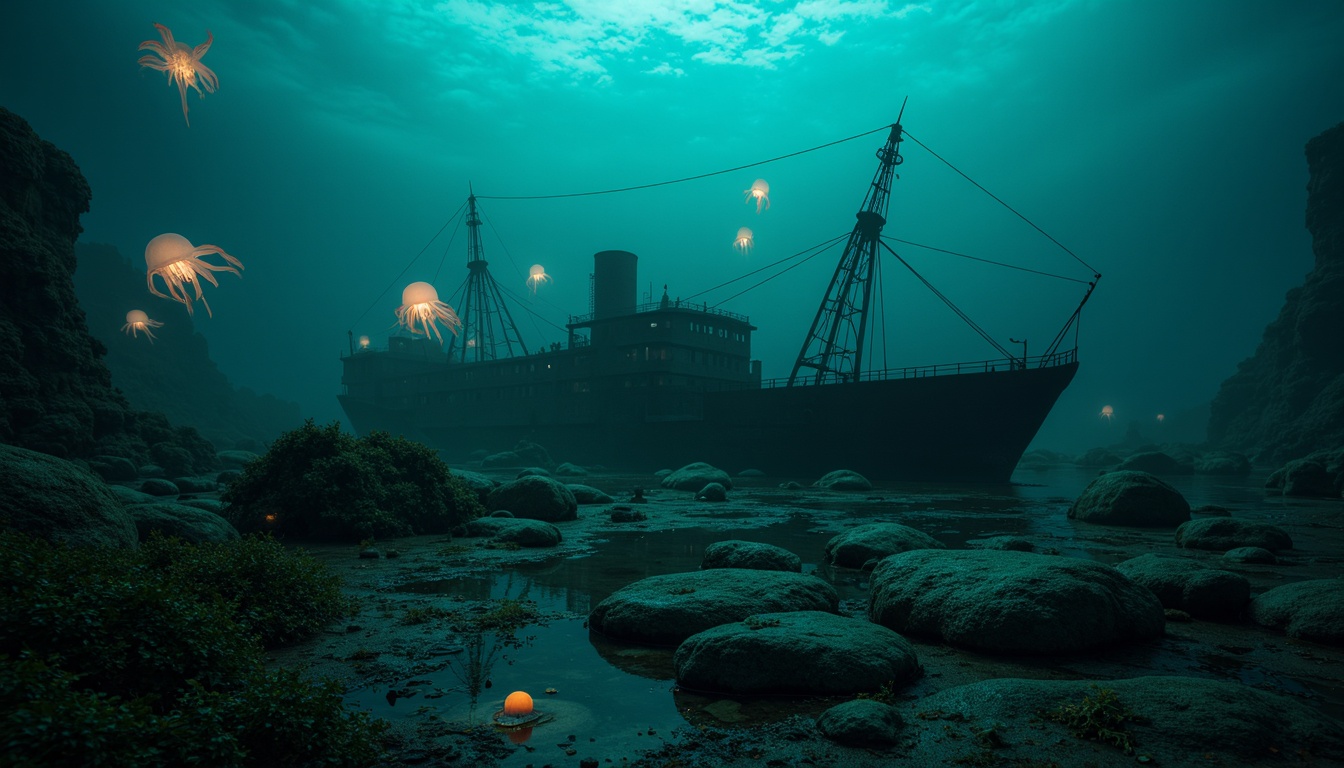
(175, 374)
(56, 394)
(1287, 400)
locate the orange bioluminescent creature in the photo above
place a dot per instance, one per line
(420, 308)
(137, 320)
(536, 276)
(761, 191)
(182, 64)
(1107, 412)
(744, 241)
(173, 258)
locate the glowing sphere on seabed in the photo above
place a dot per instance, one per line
(536, 276)
(518, 704)
(1107, 412)
(421, 311)
(744, 241)
(173, 258)
(760, 190)
(137, 320)
(182, 64)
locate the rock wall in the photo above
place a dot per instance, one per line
(1287, 400)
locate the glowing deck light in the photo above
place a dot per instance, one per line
(137, 320)
(420, 308)
(363, 342)
(173, 258)
(744, 241)
(761, 191)
(1107, 412)
(182, 64)
(536, 276)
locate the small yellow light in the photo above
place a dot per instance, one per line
(518, 704)
(363, 342)
(271, 518)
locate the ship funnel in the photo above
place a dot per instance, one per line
(614, 285)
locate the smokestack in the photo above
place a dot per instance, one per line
(614, 289)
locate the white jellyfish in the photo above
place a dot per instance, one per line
(761, 191)
(536, 276)
(182, 64)
(1107, 412)
(420, 308)
(744, 241)
(136, 321)
(173, 258)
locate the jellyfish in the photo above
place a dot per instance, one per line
(1107, 412)
(744, 241)
(1161, 417)
(761, 191)
(137, 320)
(182, 64)
(536, 276)
(173, 258)
(420, 308)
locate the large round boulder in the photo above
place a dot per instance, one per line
(750, 554)
(1219, 534)
(693, 477)
(664, 610)
(587, 494)
(1011, 602)
(57, 500)
(524, 533)
(1156, 462)
(862, 721)
(1130, 498)
(188, 523)
(1189, 585)
(1309, 478)
(535, 498)
(858, 545)
(844, 480)
(478, 483)
(1223, 463)
(1308, 610)
(797, 653)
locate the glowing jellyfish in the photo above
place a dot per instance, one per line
(420, 308)
(136, 321)
(536, 276)
(761, 191)
(363, 342)
(744, 241)
(182, 64)
(173, 258)
(1107, 412)
(1161, 417)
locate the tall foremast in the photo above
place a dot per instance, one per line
(487, 327)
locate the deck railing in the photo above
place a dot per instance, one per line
(924, 371)
(654, 306)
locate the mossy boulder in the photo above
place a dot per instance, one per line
(858, 545)
(844, 480)
(1219, 534)
(861, 722)
(60, 501)
(695, 476)
(1308, 610)
(1190, 586)
(1130, 498)
(586, 494)
(1156, 462)
(190, 524)
(524, 533)
(751, 555)
(535, 498)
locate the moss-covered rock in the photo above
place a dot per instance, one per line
(1219, 534)
(181, 521)
(1309, 610)
(753, 555)
(1130, 498)
(535, 498)
(858, 545)
(1188, 585)
(58, 500)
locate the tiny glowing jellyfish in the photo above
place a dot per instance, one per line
(182, 64)
(536, 276)
(173, 258)
(1161, 417)
(137, 320)
(761, 191)
(363, 342)
(420, 308)
(1107, 412)
(744, 242)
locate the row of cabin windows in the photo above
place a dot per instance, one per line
(713, 359)
(722, 333)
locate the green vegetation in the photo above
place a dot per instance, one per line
(756, 622)
(1100, 717)
(155, 657)
(319, 483)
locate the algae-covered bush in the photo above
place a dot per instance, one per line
(1100, 717)
(123, 657)
(320, 483)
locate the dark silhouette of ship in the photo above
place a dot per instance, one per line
(659, 385)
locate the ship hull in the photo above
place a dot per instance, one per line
(960, 427)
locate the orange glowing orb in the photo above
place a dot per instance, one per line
(271, 518)
(518, 704)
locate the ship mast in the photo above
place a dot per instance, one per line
(833, 348)
(487, 326)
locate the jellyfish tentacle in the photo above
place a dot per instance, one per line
(199, 51)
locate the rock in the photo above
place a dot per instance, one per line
(195, 484)
(751, 473)
(189, 524)
(844, 480)
(502, 459)
(113, 468)
(1155, 462)
(209, 505)
(750, 555)
(1181, 721)
(1228, 463)
(693, 477)
(662, 473)
(524, 533)
(627, 515)
(228, 477)
(532, 454)
(712, 492)
(235, 459)
(1213, 510)
(534, 471)
(1004, 544)
(1130, 498)
(665, 610)
(1011, 602)
(157, 486)
(586, 494)
(502, 513)
(570, 470)
(152, 470)
(791, 485)
(130, 495)
(862, 721)
(1188, 585)
(1250, 555)
(535, 498)
(478, 483)
(1218, 534)
(59, 501)
(798, 653)
(1098, 457)
(858, 545)
(1308, 478)
(1308, 610)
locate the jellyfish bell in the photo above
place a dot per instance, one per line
(760, 190)
(421, 311)
(136, 321)
(363, 342)
(1161, 417)
(744, 241)
(1107, 412)
(536, 276)
(182, 64)
(173, 258)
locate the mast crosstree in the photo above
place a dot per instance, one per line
(487, 327)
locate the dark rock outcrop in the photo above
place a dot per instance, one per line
(750, 554)
(695, 476)
(187, 523)
(1308, 610)
(858, 545)
(536, 498)
(60, 501)
(1219, 534)
(862, 721)
(1130, 498)
(1287, 400)
(510, 530)
(1188, 585)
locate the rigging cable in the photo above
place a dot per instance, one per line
(826, 244)
(408, 266)
(985, 261)
(820, 250)
(949, 303)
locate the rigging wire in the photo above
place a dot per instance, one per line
(1001, 202)
(687, 178)
(516, 268)
(826, 246)
(949, 303)
(986, 261)
(408, 266)
(767, 266)
(446, 248)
